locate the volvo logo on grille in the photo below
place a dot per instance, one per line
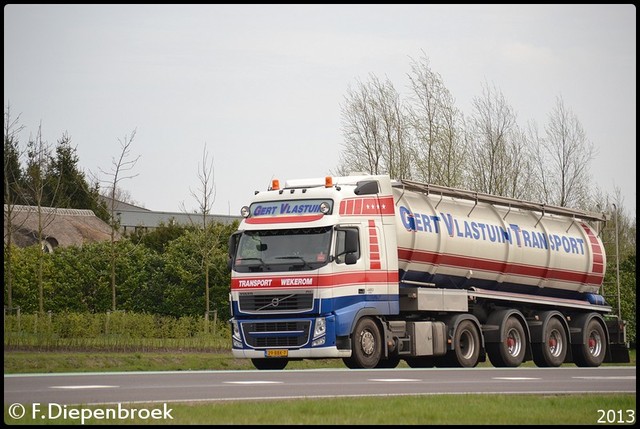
(272, 302)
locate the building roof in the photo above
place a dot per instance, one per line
(131, 217)
(61, 227)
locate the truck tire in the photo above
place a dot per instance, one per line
(390, 362)
(366, 346)
(271, 363)
(420, 361)
(510, 352)
(466, 347)
(592, 352)
(552, 351)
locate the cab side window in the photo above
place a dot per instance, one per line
(347, 245)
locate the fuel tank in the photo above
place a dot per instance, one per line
(462, 243)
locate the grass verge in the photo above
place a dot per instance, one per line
(17, 361)
(583, 409)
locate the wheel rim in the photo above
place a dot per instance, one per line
(368, 343)
(467, 345)
(514, 342)
(595, 343)
(555, 343)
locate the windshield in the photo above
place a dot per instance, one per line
(283, 250)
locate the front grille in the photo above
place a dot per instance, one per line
(275, 302)
(276, 334)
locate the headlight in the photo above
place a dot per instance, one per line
(324, 207)
(321, 327)
(244, 211)
(236, 329)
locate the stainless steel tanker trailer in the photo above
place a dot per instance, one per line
(375, 271)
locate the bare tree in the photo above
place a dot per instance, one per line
(120, 194)
(438, 127)
(614, 205)
(41, 188)
(563, 158)
(210, 237)
(362, 147)
(119, 171)
(498, 150)
(12, 193)
(376, 130)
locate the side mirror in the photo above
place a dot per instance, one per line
(350, 241)
(348, 245)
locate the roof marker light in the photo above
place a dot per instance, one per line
(328, 181)
(275, 184)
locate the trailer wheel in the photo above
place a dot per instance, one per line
(593, 351)
(510, 352)
(553, 348)
(466, 347)
(271, 363)
(420, 362)
(366, 349)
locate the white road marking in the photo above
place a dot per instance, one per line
(515, 378)
(87, 386)
(394, 380)
(254, 382)
(621, 377)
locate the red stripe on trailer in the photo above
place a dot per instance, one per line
(495, 266)
(597, 266)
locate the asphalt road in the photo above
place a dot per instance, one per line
(186, 386)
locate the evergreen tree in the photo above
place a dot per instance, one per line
(74, 191)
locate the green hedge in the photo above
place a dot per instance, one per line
(114, 331)
(170, 282)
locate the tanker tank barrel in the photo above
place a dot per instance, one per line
(504, 201)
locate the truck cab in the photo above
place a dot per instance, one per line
(308, 260)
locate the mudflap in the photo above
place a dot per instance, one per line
(618, 346)
(619, 354)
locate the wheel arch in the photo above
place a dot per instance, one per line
(494, 331)
(373, 313)
(578, 322)
(578, 335)
(497, 319)
(452, 322)
(538, 326)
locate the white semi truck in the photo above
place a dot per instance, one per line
(375, 271)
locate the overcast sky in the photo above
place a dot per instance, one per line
(261, 85)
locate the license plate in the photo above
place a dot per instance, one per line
(277, 353)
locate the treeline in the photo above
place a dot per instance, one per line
(38, 173)
(158, 272)
(422, 134)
